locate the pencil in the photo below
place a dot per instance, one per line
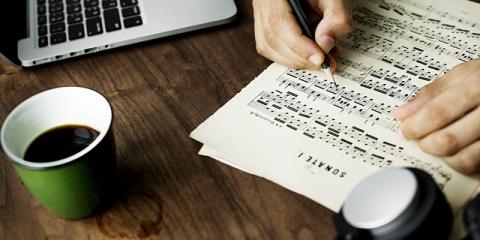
(302, 21)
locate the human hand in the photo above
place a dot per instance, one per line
(445, 118)
(279, 37)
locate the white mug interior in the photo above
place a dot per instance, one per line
(50, 109)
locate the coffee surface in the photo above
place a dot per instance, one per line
(60, 142)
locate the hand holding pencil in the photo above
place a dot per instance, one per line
(303, 22)
(444, 117)
(280, 37)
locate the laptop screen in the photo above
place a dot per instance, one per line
(12, 27)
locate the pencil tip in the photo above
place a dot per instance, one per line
(330, 77)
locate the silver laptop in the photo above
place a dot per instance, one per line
(40, 31)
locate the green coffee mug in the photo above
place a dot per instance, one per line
(78, 185)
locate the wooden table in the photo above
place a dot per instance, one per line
(160, 92)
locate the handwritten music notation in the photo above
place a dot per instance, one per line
(285, 110)
(399, 6)
(424, 28)
(291, 124)
(407, 48)
(344, 100)
(389, 82)
(398, 54)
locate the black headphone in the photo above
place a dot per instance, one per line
(401, 203)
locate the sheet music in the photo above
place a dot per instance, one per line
(295, 128)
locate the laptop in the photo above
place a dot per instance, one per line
(35, 32)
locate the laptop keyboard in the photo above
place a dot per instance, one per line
(66, 20)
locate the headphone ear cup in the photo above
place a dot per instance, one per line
(346, 231)
(427, 216)
(438, 220)
(471, 218)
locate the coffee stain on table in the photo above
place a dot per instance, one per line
(135, 215)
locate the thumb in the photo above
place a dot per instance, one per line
(336, 22)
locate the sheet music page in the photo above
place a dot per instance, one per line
(295, 128)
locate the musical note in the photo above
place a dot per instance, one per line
(351, 140)
(440, 32)
(289, 123)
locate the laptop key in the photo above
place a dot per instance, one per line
(90, 3)
(58, 38)
(72, 1)
(126, 3)
(57, 27)
(42, 30)
(40, 2)
(42, 41)
(94, 26)
(131, 11)
(109, 3)
(92, 12)
(41, 20)
(132, 22)
(42, 9)
(54, 1)
(57, 17)
(76, 31)
(112, 20)
(74, 8)
(75, 18)
(55, 7)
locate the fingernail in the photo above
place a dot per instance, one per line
(315, 59)
(326, 43)
(398, 112)
(402, 111)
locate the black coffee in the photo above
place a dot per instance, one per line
(60, 142)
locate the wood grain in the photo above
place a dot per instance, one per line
(160, 91)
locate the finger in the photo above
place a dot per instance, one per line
(456, 136)
(276, 47)
(332, 62)
(274, 56)
(299, 44)
(262, 47)
(425, 94)
(431, 90)
(336, 22)
(335, 52)
(280, 38)
(268, 52)
(443, 109)
(466, 161)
